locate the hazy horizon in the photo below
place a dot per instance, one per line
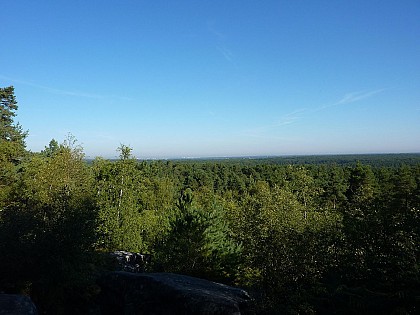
(233, 157)
(216, 78)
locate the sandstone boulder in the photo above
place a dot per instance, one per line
(131, 262)
(166, 293)
(16, 304)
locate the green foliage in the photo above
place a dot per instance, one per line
(199, 241)
(49, 228)
(117, 198)
(333, 184)
(12, 143)
(156, 199)
(10, 132)
(287, 245)
(362, 185)
(52, 149)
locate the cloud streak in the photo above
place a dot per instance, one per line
(296, 115)
(219, 35)
(286, 119)
(221, 40)
(352, 97)
(226, 52)
(290, 118)
(64, 92)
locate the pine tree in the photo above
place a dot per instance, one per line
(12, 142)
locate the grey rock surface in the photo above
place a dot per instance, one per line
(166, 293)
(131, 262)
(16, 304)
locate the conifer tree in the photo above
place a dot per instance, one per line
(12, 142)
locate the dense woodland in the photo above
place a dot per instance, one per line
(324, 235)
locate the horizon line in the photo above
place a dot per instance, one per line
(263, 156)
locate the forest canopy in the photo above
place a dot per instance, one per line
(323, 235)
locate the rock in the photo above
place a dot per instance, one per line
(131, 262)
(16, 304)
(167, 293)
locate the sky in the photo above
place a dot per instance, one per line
(212, 78)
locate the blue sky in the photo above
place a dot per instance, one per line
(216, 78)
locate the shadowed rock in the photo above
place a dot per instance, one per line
(16, 304)
(131, 262)
(166, 293)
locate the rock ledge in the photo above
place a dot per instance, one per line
(17, 305)
(167, 293)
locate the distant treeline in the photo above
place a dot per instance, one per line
(374, 160)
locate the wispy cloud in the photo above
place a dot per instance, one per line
(284, 120)
(226, 52)
(220, 37)
(357, 96)
(352, 98)
(63, 92)
(298, 114)
(212, 29)
(290, 118)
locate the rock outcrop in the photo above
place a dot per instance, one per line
(16, 304)
(131, 262)
(166, 293)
